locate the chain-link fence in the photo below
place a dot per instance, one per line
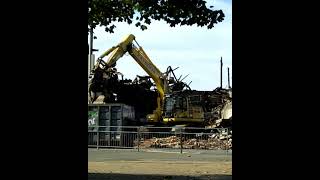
(142, 138)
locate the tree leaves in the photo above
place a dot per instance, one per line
(174, 12)
(147, 21)
(143, 27)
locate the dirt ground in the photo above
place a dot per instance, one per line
(143, 165)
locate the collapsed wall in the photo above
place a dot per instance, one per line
(219, 108)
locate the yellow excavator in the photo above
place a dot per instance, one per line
(173, 106)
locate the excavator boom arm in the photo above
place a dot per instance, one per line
(139, 56)
(143, 60)
(117, 51)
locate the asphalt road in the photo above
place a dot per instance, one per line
(156, 164)
(104, 155)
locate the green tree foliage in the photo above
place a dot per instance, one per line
(140, 12)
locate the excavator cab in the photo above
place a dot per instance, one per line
(182, 107)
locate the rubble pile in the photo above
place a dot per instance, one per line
(212, 142)
(220, 105)
(168, 142)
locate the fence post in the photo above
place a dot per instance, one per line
(227, 144)
(181, 141)
(98, 138)
(138, 139)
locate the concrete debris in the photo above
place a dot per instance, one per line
(219, 108)
(99, 100)
(212, 136)
(213, 142)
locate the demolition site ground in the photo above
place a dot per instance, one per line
(159, 164)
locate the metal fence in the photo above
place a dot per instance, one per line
(142, 138)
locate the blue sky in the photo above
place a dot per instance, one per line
(195, 50)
